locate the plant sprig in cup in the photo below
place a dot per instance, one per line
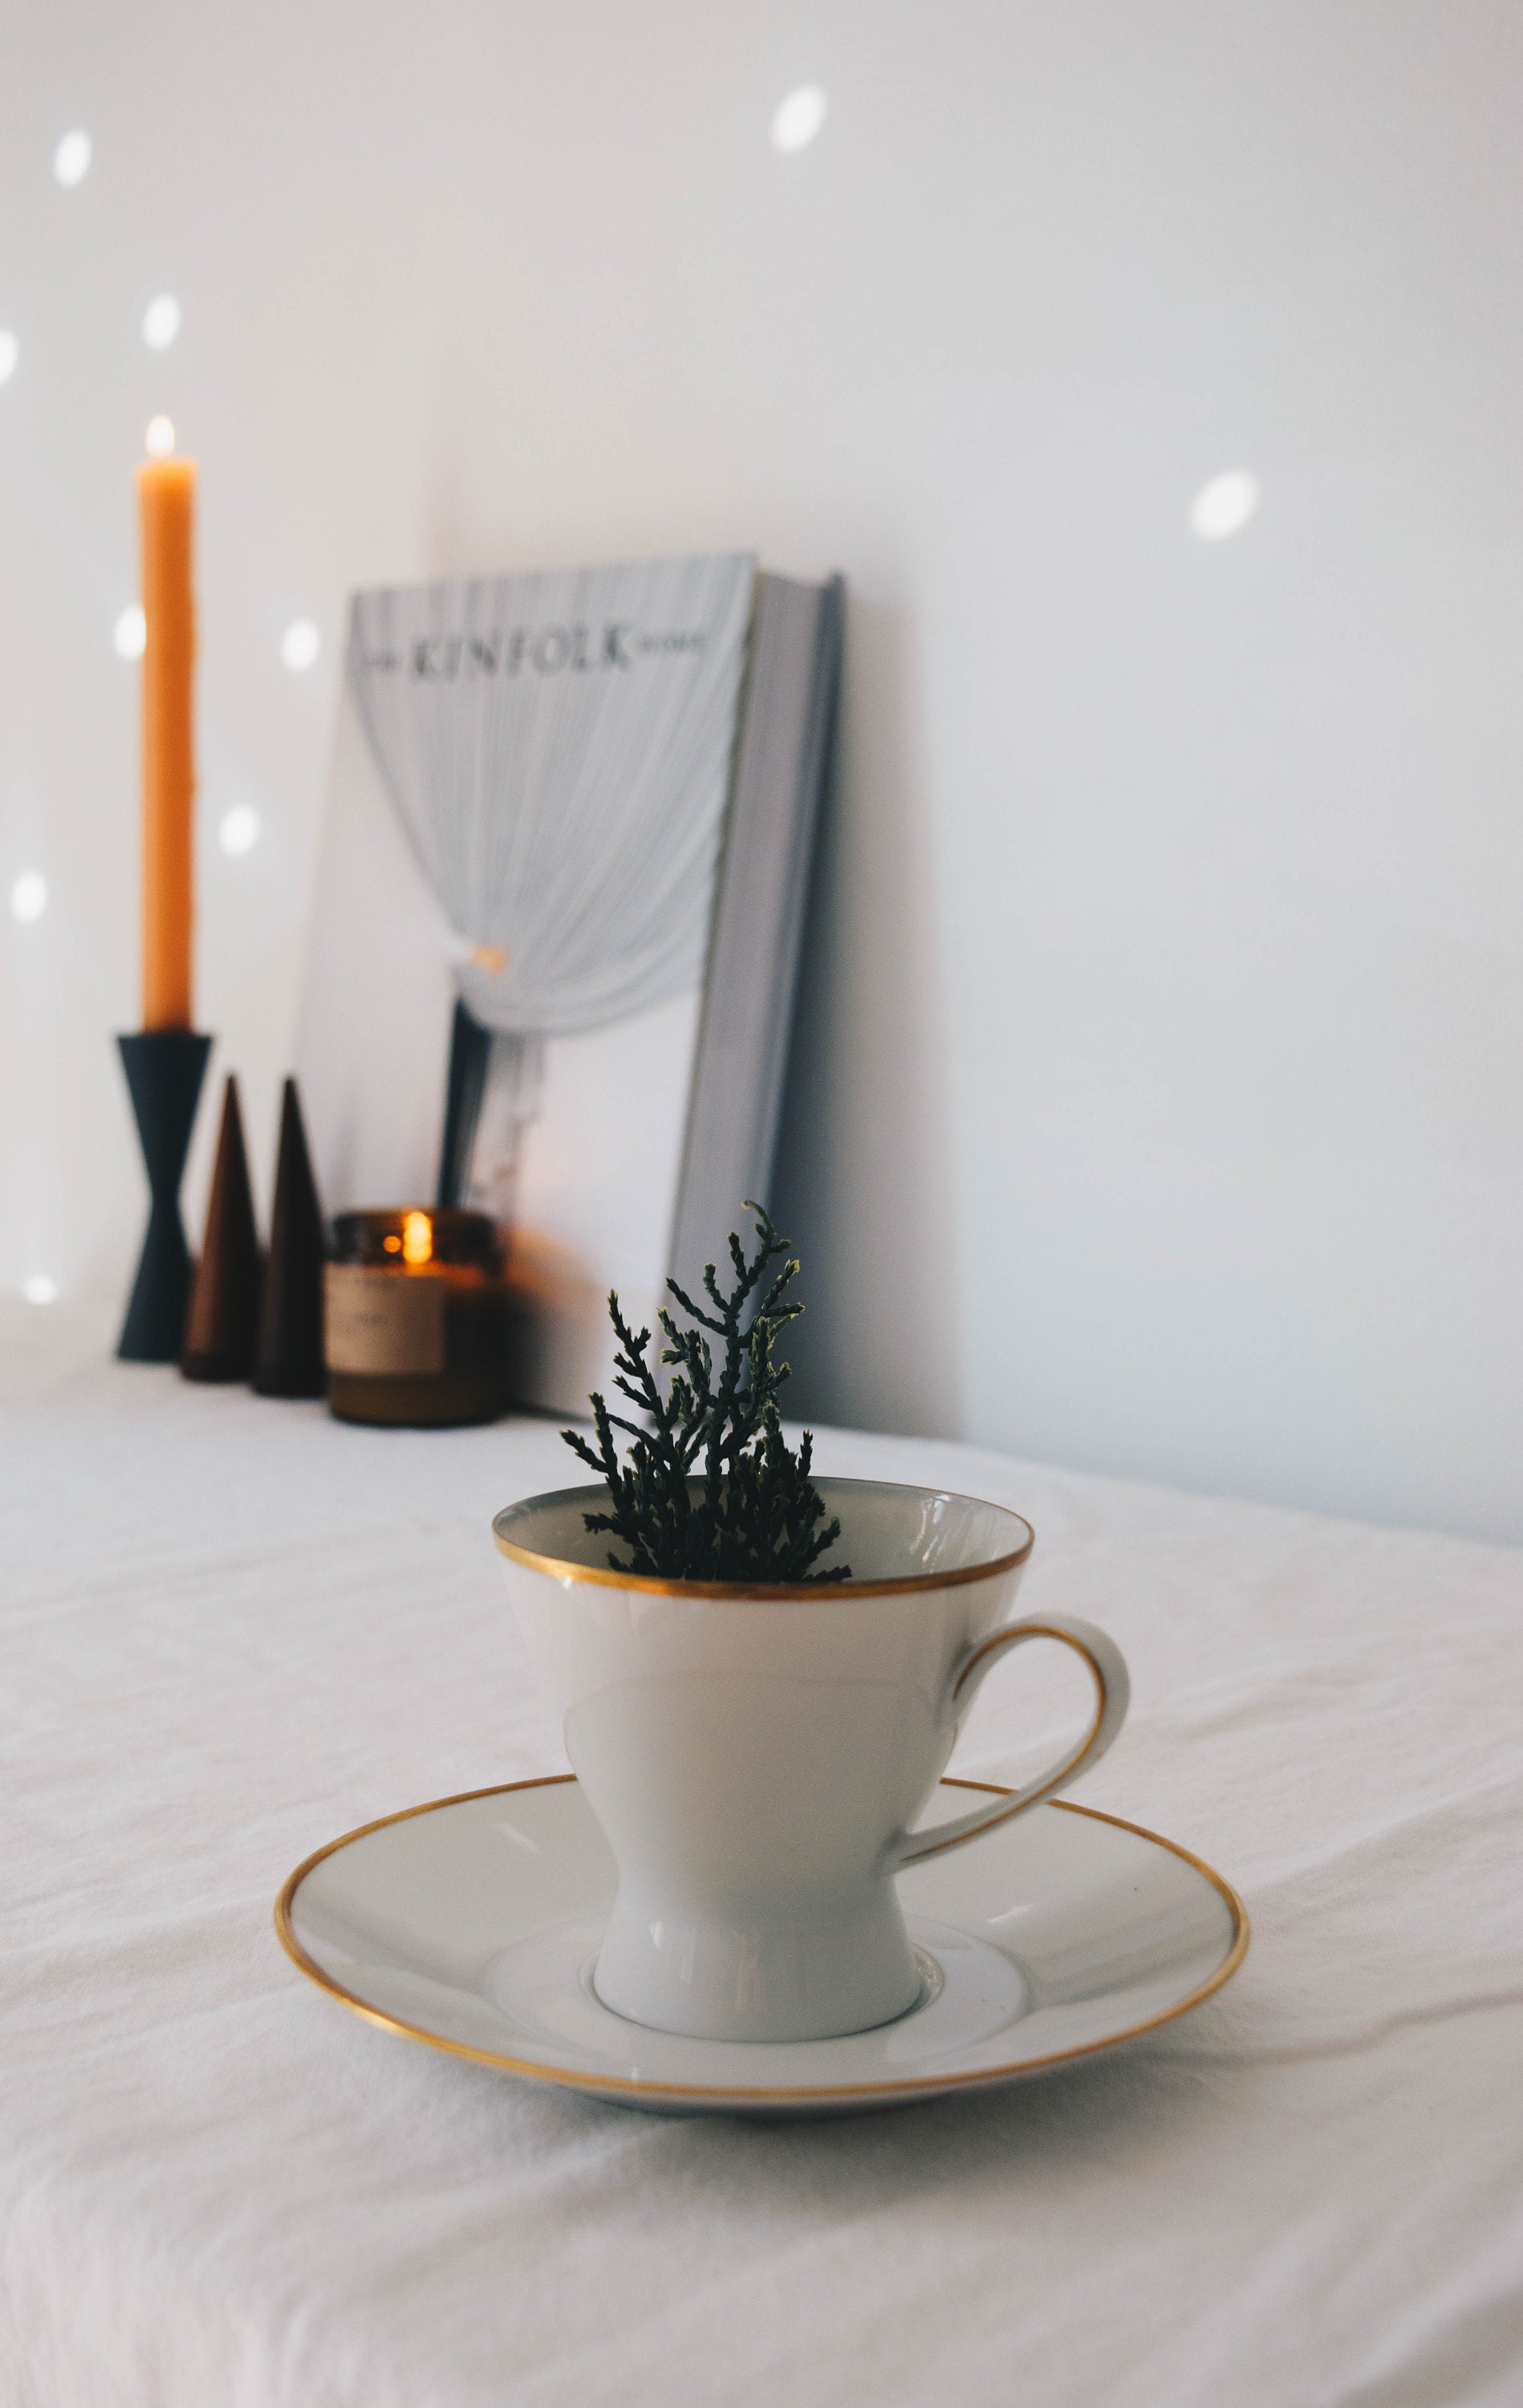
(709, 1488)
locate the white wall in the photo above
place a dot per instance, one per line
(1159, 1098)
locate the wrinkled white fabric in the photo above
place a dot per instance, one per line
(233, 1629)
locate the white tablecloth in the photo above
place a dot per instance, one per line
(233, 1629)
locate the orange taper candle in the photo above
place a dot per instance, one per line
(166, 497)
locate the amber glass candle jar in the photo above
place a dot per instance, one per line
(415, 1320)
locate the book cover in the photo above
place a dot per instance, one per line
(513, 957)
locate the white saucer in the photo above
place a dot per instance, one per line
(472, 1924)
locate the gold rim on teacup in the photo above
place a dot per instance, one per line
(603, 1575)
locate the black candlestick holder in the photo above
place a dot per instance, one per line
(164, 1069)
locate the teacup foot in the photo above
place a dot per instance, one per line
(818, 1975)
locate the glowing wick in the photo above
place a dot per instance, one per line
(417, 1238)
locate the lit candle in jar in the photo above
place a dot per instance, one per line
(415, 1318)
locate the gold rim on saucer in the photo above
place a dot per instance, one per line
(721, 2094)
(564, 1568)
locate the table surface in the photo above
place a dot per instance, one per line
(234, 1628)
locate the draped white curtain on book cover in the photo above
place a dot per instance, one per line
(557, 748)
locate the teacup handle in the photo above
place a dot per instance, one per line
(1107, 1667)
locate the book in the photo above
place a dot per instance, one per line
(559, 907)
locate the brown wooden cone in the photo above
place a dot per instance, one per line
(290, 1360)
(224, 1318)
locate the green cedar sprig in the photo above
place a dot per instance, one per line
(709, 1489)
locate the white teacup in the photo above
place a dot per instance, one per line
(757, 1757)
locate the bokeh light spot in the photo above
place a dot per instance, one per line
(1224, 506)
(161, 322)
(239, 832)
(798, 119)
(300, 645)
(71, 159)
(130, 634)
(29, 897)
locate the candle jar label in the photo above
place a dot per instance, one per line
(379, 1322)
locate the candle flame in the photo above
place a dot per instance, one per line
(417, 1238)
